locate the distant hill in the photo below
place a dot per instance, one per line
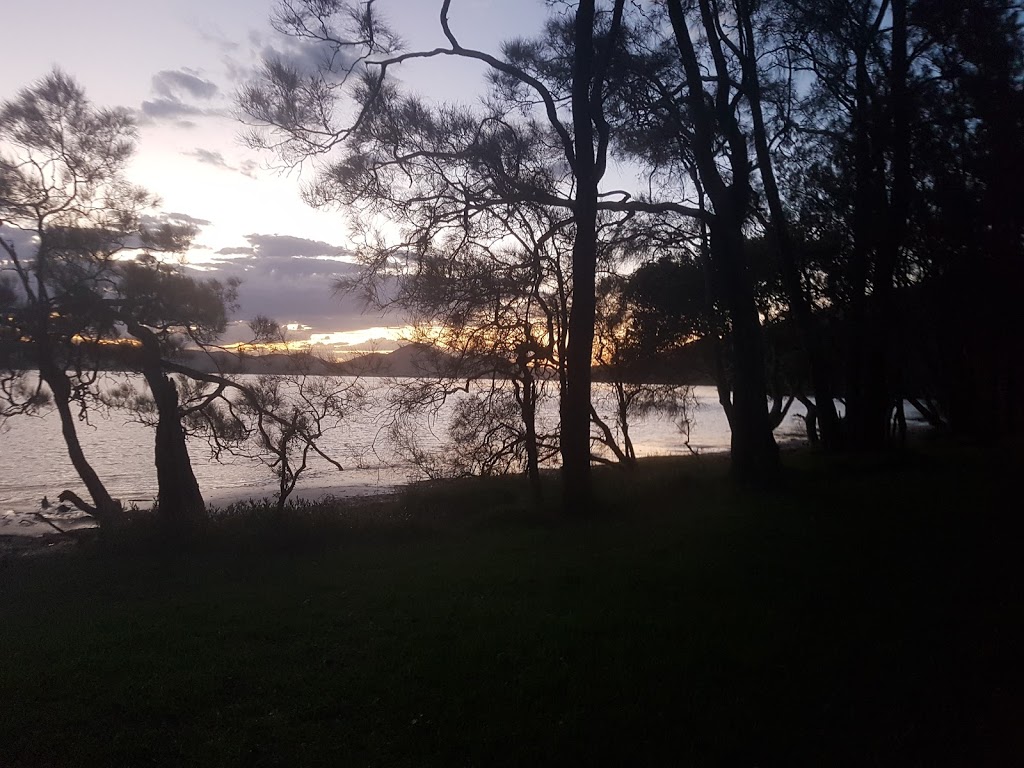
(274, 363)
(689, 364)
(411, 360)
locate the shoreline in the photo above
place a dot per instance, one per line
(40, 524)
(29, 524)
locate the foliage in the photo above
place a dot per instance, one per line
(94, 281)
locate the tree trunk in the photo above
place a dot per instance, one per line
(869, 412)
(810, 420)
(529, 410)
(755, 454)
(857, 410)
(820, 367)
(105, 510)
(575, 405)
(178, 497)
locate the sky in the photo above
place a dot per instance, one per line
(177, 66)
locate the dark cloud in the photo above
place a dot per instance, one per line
(172, 109)
(174, 92)
(175, 83)
(24, 243)
(304, 56)
(209, 157)
(173, 217)
(186, 219)
(289, 245)
(216, 159)
(291, 279)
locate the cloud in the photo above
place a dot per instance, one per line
(168, 109)
(174, 83)
(289, 245)
(23, 242)
(216, 159)
(301, 55)
(209, 157)
(214, 34)
(173, 217)
(291, 278)
(174, 94)
(186, 219)
(304, 56)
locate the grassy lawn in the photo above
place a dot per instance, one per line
(864, 612)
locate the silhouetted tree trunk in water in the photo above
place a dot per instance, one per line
(179, 499)
(755, 454)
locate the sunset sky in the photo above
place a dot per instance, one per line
(177, 66)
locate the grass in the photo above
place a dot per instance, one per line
(863, 612)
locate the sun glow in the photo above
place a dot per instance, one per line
(339, 344)
(364, 339)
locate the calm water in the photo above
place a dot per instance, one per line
(34, 462)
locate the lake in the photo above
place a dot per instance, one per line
(34, 462)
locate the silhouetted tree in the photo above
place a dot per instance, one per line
(542, 139)
(62, 164)
(627, 364)
(892, 190)
(159, 306)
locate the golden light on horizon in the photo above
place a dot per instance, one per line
(336, 342)
(363, 338)
(124, 342)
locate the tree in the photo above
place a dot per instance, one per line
(966, 168)
(639, 387)
(542, 139)
(489, 318)
(62, 182)
(287, 418)
(78, 297)
(751, 32)
(278, 420)
(683, 109)
(158, 305)
(889, 181)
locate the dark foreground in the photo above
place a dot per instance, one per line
(866, 612)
